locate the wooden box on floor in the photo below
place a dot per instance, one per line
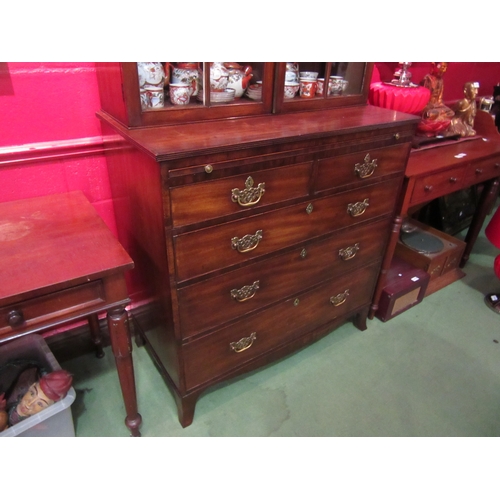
(405, 287)
(442, 266)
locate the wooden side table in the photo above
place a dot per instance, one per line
(443, 169)
(61, 263)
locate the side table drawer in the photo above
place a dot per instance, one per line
(435, 185)
(29, 313)
(207, 200)
(245, 340)
(482, 171)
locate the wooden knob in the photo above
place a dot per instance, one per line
(15, 318)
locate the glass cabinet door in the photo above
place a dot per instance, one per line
(173, 92)
(317, 85)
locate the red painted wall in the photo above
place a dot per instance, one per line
(49, 135)
(50, 138)
(487, 74)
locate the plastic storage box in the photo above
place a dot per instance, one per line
(54, 421)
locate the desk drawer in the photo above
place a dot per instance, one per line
(257, 334)
(206, 250)
(214, 301)
(33, 312)
(208, 200)
(482, 171)
(360, 167)
(435, 185)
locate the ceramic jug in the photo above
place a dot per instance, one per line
(239, 77)
(188, 73)
(292, 72)
(151, 84)
(219, 77)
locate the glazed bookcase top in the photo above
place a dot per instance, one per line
(264, 92)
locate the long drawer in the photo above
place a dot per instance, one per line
(214, 301)
(207, 200)
(482, 171)
(432, 186)
(228, 348)
(200, 252)
(359, 167)
(46, 307)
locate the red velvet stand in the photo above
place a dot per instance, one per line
(492, 232)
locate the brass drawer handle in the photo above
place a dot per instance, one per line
(358, 208)
(15, 318)
(339, 299)
(453, 180)
(246, 292)
(244, 343)
(250, 195)
(209, 169)
(365, 169)
(247, 243)
(428, 188)
(309, 209)
(349, 252)
(479, 171)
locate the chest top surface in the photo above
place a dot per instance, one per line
(170, 142)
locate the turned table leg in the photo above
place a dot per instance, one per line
(486, 201)
(95, 334)
(122, 350)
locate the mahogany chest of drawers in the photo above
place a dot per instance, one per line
(253, 237)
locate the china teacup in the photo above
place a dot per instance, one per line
(291, 89)
(309, 74)
(337, 85)
(308, 87)
(180, 93)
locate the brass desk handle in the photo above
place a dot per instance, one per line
(428, 188)
(358, 208)
(349, 252)
(479, 171)
(339, 299)
(15, 318)
(248, 243)
(244, 343)
(365, 169)
(453, 180)
(250, 195)
(246, 292)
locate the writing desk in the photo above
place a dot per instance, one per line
(442, 169)
(60, 263)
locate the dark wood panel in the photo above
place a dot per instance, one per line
(208, 200)
(275, 326)
(207, 304)
(342, 170)
(207, 250)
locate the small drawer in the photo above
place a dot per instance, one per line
(360, 167)
(206, 305)
(433, 186)
(33, 312)
(482, 171)
(206, 250)
(211, 199)
(257, 334)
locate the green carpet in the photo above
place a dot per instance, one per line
(431, 371)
